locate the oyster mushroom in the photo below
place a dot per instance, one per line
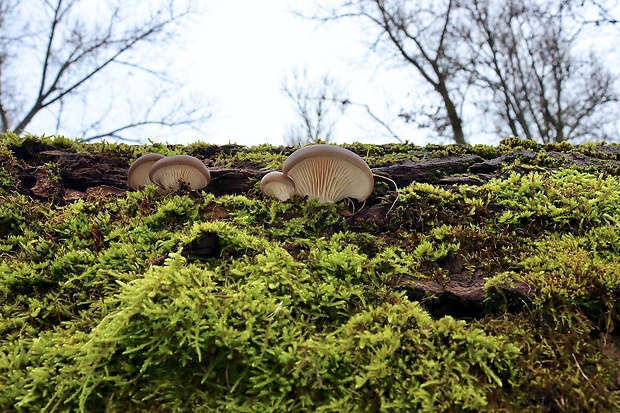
(277, 185)
(171, 172)
(138, 174)
(329, 173)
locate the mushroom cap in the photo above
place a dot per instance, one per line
(329, 173)
(277, 185)
(169, 173)
(138, 174)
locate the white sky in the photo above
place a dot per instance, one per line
(241, 53)
(244, 48)
(237, 54)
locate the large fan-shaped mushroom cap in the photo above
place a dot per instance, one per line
(169, 173)
(138, 174)
(277, 185)
(329, 173)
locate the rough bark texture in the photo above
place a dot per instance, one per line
(457, 288)
(64, 175)
(82, 173)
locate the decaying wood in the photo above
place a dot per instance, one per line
(81, 173)
(63, 176)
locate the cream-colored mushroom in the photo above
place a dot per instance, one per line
(329, 173)
(276, 185)
(172, 172)
(138, 174)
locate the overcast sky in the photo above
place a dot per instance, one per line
(237, 55)
(244, 48)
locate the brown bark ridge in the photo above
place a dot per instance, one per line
(63, 175)
(83, 173)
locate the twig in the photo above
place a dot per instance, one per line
(395, 189)
(582, 373)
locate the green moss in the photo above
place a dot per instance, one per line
(566, 200)
(423, 206)
(545, 160)
(110, 304)
(200, 148)
(259, 158)
(7, 181)
(516, 143)
(562, 268)
(14, 141)
(485, 151)
(10, 139)
(560, 366)
(258, 352)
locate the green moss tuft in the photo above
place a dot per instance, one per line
(178, 302)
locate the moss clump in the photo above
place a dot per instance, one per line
(240, 341)
(7, 181)
(567, 200)
(561, 367)
(572, 271)
(197, 302)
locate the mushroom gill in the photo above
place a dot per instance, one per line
(277, 185)
(172, 172)
(329, 173)
(138, 174)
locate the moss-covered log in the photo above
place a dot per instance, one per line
(475, 278)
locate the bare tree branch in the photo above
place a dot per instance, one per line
(421, 34)
(80, 52)
(8, 36)
(319, 104)
(577, 10)
(376, 118)
(513, 61)
(523, 56)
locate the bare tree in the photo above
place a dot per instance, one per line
(523, 57)
(7, 37)
(319, 104)
(102, 65)
(515, 60)
(419, 34)
(597, 12)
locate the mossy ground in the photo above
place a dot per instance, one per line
(109, 304)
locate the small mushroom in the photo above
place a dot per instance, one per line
(329, 173)
(138, 174)
(171, 172)
(277, 185)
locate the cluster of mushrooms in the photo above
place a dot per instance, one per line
(168, 172)
(328, 173)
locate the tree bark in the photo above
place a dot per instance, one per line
(62, 176)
